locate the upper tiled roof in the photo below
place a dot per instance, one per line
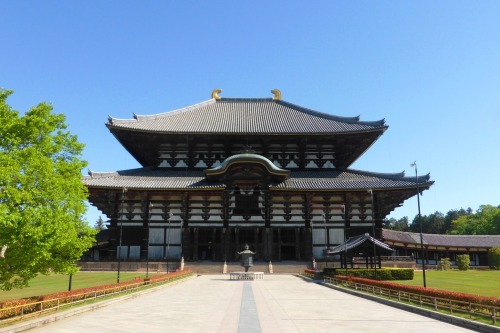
(145, 178)
(465, 241)
(245, 115)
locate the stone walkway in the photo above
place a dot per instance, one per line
(279, 303)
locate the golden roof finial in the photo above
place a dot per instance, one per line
(277, 94)
(215, 93)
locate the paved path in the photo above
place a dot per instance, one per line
(279, 303)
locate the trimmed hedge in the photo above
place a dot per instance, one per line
(383, 274)
(483, 300)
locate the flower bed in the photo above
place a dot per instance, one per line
(483, 300)
(19, 307)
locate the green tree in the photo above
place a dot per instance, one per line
(444, 264)
(99, 224)
(398, 225)
(431, 224)
(463, 262)
(451, 216)
(486, 221)
(42, 198)
(494, 257)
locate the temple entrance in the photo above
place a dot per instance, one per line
(219, 244)
(288, 252)
(204, 252)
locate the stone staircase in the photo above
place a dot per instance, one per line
(279, 267)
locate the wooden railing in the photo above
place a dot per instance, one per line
(33, 309)
(473, 311)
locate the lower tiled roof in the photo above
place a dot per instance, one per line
(146, 178)
(463, 241)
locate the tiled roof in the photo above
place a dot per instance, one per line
(348, 180)
(145, 178)
(466, 241)
(358, 241)
(245, 115)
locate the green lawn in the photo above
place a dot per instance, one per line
(486, 283)
(42, 285)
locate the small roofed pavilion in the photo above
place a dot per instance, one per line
(361, 246)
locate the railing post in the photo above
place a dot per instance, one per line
(493, 315)
(435, 304)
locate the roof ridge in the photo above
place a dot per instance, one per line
(350, 120)
(447, 235)
(141, 118)
(397, 175)
(96, 174)
(311, 112)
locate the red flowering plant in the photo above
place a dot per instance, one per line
(13, 308)
(463, 297)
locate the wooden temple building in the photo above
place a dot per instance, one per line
(227, 172)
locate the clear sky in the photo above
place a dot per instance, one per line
(430, 68)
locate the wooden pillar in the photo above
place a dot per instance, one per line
(267, 244)
(213, 249)
(225, 209)
(347, 215)
(267, 208)
(224, 243)
(195, 244)
(257, 243)
(146, 211)
(297, 244)
(279, 243)
(236, 243)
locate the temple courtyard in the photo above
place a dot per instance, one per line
(214, 303)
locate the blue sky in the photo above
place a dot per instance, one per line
(430, 68)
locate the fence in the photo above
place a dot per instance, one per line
(474, 311)
(28, 310)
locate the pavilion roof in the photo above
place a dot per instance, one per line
(245, 116)
(361, 243)
(452, 241)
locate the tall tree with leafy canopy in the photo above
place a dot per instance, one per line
(42, 198)
(485, 221)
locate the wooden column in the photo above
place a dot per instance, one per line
(236, 243)
(213, 243)
(195, 244)
(297, 244)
